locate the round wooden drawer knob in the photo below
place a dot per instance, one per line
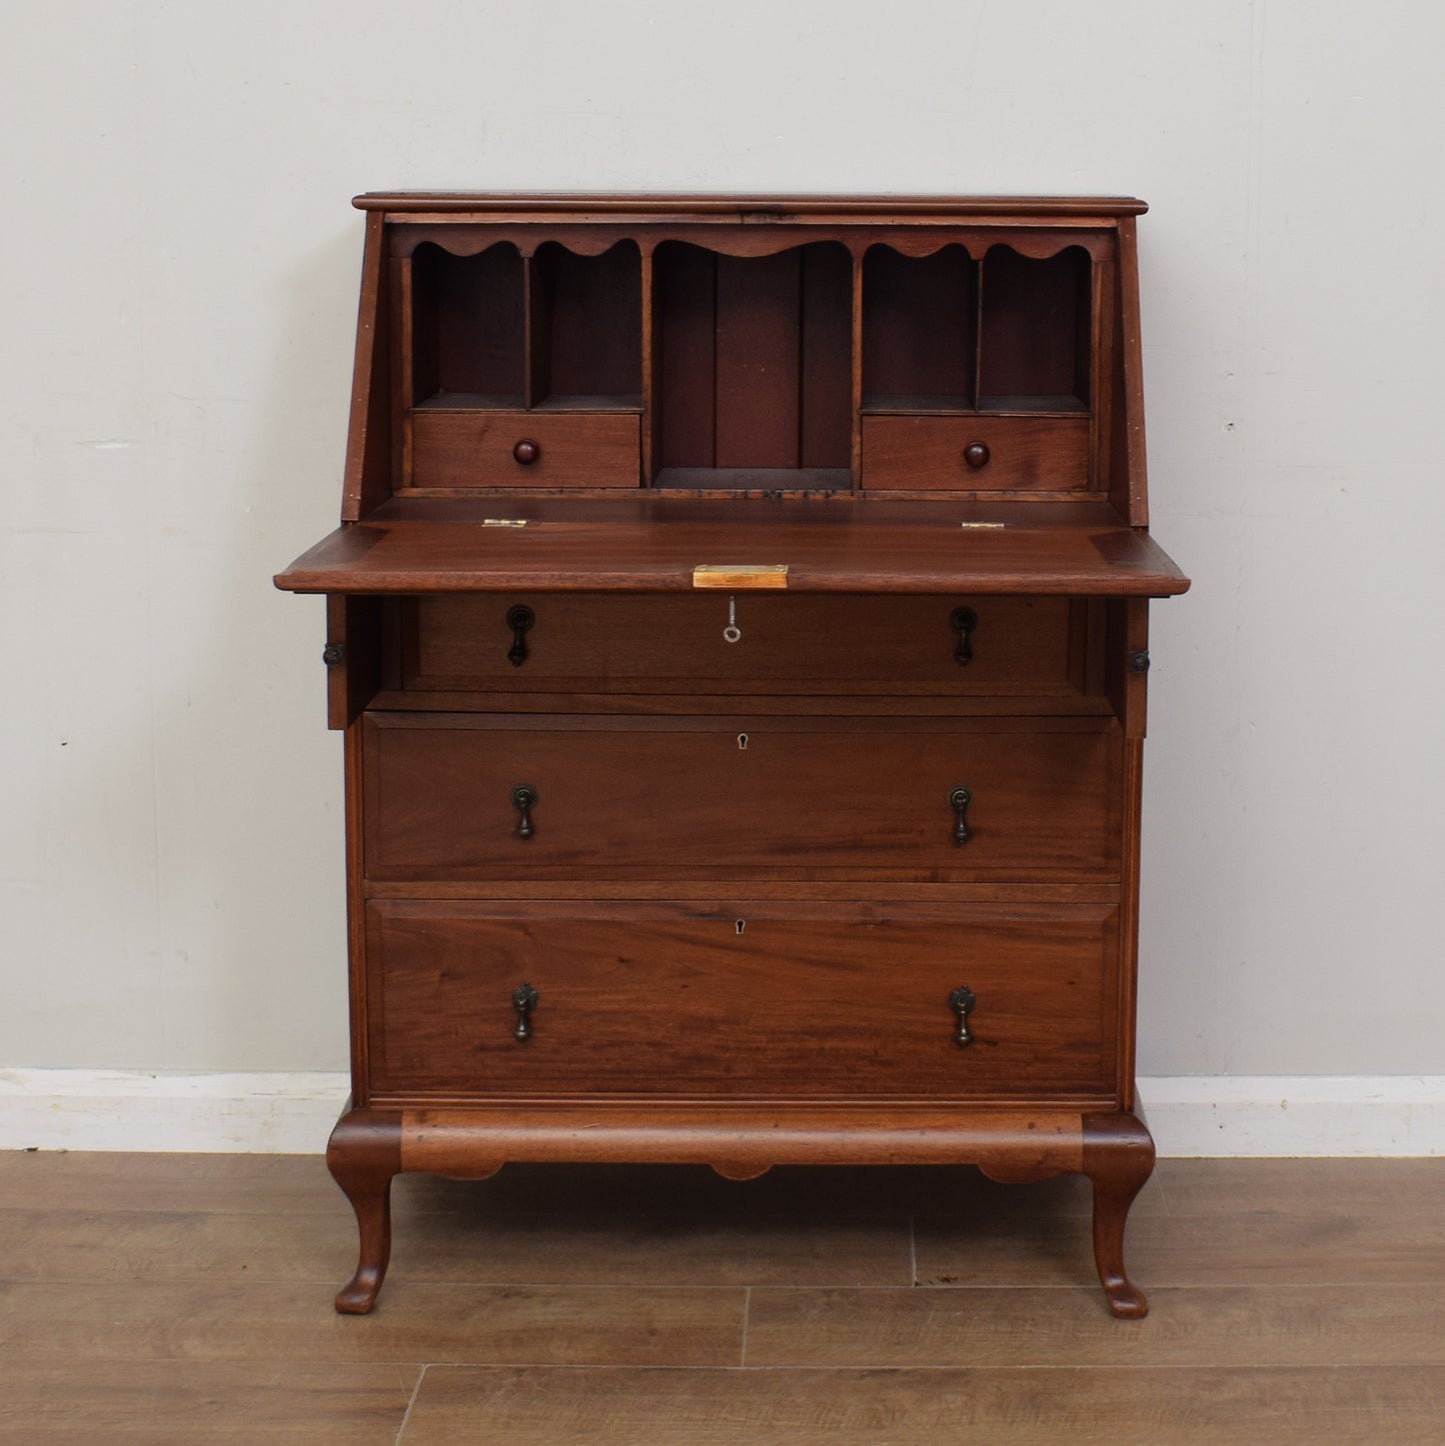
(526, 452)
(976, 454)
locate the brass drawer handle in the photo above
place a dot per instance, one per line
(963, 621)
(959, 800)
(520, 619)
(524, 1001)
(524, 800)
(961, 1001)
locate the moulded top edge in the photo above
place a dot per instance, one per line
(730, 205)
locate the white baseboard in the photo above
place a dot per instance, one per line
(95, 1109)
(1379, 1114)
(82, 1109)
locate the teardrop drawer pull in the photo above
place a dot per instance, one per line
(959, 800)
(524, 800)
(961, 1001)
(524, 1001)
(520, 619)
(963, 621)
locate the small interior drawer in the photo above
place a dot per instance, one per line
(482, 448)
(976, 453)
(751, 998)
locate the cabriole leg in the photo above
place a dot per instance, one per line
(1118, 1159)
(363, 1156)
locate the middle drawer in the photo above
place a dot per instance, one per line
(456, 796)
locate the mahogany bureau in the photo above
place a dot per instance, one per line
(738, 622)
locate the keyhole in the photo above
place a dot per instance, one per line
(741, 925)
(743, 741)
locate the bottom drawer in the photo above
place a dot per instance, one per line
(752, 999)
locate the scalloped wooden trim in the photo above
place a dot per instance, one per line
(474, 241)
(747, 243)
(919, 247)
(1035, 245)
(471, 237)
(470, 243)
(586, 245)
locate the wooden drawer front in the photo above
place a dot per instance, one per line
(790, 644)
(805, 999)
(1025, 454)
(666, 797)
(475, 449)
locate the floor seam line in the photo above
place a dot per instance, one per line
(415, 1392)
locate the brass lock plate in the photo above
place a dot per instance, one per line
(739, 575)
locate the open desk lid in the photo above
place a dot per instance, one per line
(658, 544)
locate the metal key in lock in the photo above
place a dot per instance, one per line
(732, 632)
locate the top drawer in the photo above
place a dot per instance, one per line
(792, 645)
(523, 449)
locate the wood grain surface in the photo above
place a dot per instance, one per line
(742, 204)
(654, 999)
(652, 544)
(476, 449)
(1023, 454)
(706, 361)
(740, 797)
(176, 1299)
(1302, 1406)
(1020, 646)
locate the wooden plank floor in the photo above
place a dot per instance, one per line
(186, 1299)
